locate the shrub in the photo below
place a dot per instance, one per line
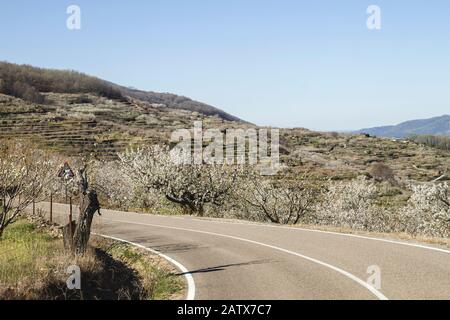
(381, 172)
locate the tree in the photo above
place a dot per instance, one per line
(284, 203)
(24, 174)
(428, 210)
(353, 204)
(189, 185)
(113, 184)
(89, 205)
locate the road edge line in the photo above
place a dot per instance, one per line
(188, 276)
(342, 234)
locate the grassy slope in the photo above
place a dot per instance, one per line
(33, 265)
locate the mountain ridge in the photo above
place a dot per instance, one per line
(439, 126)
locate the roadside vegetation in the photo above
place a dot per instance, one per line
(33, 265)
(146, 179)
(150, 181)
(35, 255)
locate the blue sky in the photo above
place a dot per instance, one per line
(285, 63)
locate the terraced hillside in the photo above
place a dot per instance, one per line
(87, 124)
(75, 124)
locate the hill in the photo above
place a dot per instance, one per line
(74, 123)
(439, 126)
(75, 115)
(28, 83)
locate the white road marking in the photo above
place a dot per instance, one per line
(329, 232)
(190, 280)
(374, 291)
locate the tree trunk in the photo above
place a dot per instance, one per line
(88, 206)
(2, 223)
(200, 211)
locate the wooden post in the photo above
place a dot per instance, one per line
(34, 207)
(51, 207)
(70, 222)
(70, 210)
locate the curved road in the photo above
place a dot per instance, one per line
(240, 260)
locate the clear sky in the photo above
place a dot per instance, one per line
(289, 63)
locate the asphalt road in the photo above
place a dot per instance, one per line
(240, 260)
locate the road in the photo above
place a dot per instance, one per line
(242, 260)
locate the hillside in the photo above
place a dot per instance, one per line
(28, 83)
(346, 156)
(74, 114)
(74, 124)
(439, 126)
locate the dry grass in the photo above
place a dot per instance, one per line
(159, 278)
(33, 266)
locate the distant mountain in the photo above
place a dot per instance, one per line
(31, 83)
(439, 126)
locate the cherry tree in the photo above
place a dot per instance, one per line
(24, 174)
(353, 204)
(428, 210)
(191, 186)
(112, 183)
(279, 202)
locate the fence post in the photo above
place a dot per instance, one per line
(70, 219)
(51, 207)
(34, 207)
